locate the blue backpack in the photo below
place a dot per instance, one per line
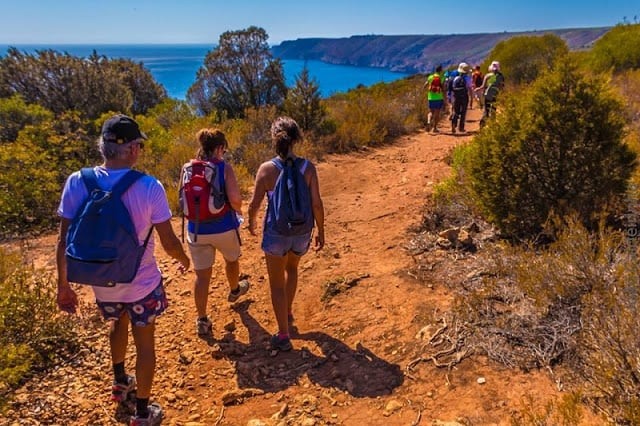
(102, 243)
(289, 211)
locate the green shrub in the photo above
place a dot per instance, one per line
(33, 333)
(61, 82)
(557, 147)
(617, 50)
(524, 58)
(15, 114)
(33, 170)
(453, 201)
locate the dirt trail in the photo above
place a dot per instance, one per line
(350, 352)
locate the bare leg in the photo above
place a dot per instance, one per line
(276, 270)
(143, 336)
(232, 270)
(201, 290)
(291, 279)
(436, 119)
(118, 338)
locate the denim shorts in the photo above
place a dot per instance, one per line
(279, 245)
(141, 313)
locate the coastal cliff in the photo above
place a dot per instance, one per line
(417, 53)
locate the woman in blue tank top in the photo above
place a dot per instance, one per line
(283, 252)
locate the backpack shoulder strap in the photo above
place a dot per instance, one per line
(121, 187)
(89, 179)
(302, 164)
(125, 182)
(278, 163)
(218, 166)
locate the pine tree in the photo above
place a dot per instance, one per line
(304, 102)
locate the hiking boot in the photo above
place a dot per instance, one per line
(154, 418)
(120, 391)
(203, 326)
(243, 288)
(278, 344)
(453, 129)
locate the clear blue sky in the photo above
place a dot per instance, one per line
(202, 21)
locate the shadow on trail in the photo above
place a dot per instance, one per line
(359, 372)
(464, 134)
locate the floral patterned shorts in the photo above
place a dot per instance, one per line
(141, 313)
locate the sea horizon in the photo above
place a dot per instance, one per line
(174, 65)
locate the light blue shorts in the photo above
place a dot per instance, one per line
(279, 245)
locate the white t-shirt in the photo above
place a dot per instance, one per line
(147, 204)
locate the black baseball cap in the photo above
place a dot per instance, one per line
(121, 129)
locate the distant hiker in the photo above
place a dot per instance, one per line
(491, 86)
(460, 89)
(476, 81)
(449, 76)
(435, 98)
(212, 223)
(141, 300)
(291, 186)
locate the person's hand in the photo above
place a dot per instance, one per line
(319, 243)
(67, 299)
(251, 226)
(184, 265)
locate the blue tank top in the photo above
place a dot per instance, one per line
(225, 223)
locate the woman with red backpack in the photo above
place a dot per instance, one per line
(212, 225)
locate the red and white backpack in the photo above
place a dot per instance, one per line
(202, 191)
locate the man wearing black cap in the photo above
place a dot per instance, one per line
(139, 302)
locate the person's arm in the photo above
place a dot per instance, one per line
(171, 244)
(259, 192)
(67, 298)
(232, 189)
(180, 189)
(484, 84)
(317, 206)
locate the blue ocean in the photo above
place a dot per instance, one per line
(175, 65)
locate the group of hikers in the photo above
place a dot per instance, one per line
(458, 88)
(107, 216)
(108, 213)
